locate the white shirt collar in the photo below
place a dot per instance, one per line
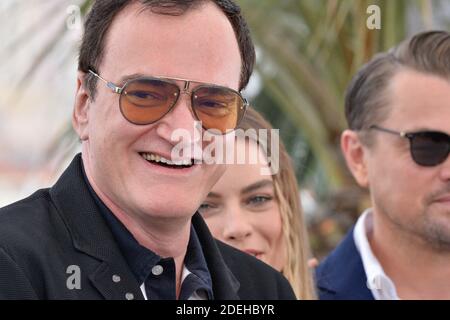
(378, 282)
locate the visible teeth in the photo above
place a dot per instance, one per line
(157, 158)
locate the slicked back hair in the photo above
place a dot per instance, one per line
(367, 102)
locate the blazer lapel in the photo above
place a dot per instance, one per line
(115, 284)
(342, 275)
(90, 234)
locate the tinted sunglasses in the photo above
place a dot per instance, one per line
(145, 100)
(428, 148)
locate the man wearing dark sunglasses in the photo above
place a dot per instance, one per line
(121, 222)
(398, 144)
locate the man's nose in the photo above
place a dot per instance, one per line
(180, 122)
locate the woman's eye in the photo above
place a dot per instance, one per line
(207, 208)
(259, 200)
(204, 206)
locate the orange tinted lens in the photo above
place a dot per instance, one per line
(218, 108)
(144, 101)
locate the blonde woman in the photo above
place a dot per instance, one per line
(261, 214)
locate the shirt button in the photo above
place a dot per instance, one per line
(129, 296)
(157, 270)
(116, 278)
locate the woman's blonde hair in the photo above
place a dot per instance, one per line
(296, 268)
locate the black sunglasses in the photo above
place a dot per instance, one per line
(146, 100)
(428, 148)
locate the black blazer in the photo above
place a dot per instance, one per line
(47, 236)
(341, 275)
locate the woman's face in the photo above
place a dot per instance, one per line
(242, 211)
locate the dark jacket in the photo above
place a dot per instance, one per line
(47, 237)
(341, 275)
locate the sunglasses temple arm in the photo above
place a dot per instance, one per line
(109, 84)
(401, 134)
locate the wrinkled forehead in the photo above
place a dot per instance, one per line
(418, 101)
(200, 44)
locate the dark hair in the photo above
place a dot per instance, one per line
(366, 101)
(103, 12)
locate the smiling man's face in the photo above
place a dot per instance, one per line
(198, 45)
(412, 198)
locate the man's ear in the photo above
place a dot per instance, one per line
(80, 118)
(354, 153)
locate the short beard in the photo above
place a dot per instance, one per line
(433, 231)
(430, 232)
(436, 234)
